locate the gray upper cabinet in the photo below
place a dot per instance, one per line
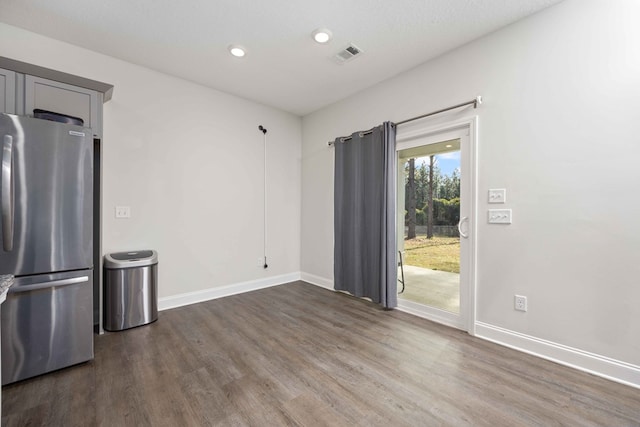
(26, 87)
(7, 91)
(49, 95)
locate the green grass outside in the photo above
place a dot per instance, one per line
(438, 253)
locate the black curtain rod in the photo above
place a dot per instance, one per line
(475, 104)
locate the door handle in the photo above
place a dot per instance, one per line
(50, 284)
(464, 219)
(7, 202)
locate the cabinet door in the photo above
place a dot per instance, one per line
(62, 98)
(7, 91)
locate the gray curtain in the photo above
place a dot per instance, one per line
(365, 216)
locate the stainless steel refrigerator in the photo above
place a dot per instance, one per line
(46, 211)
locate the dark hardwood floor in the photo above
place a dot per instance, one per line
(300, 355)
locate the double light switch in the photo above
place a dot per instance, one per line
(123, 212)
(497, 195)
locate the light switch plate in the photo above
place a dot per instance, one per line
(499, 216)
(497, 195)
(123, 212)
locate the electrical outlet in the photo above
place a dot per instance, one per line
(260, 262)
(123, 212)
(520, 303)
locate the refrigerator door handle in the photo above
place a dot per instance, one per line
(49, 284)
(7, 201)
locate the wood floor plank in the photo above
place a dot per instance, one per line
(300, 355)
(308, 410)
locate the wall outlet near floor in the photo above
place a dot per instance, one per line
(123, 212)
(520, 303)
(260, 262)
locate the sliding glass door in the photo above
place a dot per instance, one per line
(435, 180)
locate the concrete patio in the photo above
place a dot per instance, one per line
(439, 289)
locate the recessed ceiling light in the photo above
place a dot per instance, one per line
(448, 146)
(322, 35)
(237, 51)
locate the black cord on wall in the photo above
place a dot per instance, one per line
(264, 206)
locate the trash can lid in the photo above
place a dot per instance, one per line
(130, 259)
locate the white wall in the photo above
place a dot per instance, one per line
(189, 162)
(560, 131)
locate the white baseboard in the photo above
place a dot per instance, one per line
(317, 280)
(595, 364)
(224, 291)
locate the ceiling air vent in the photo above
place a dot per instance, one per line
(347, 54)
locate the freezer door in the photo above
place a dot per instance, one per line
(46, 324)
(46, 195)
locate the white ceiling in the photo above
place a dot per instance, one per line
(284, 67)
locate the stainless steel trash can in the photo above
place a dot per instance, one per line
(130, 289)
